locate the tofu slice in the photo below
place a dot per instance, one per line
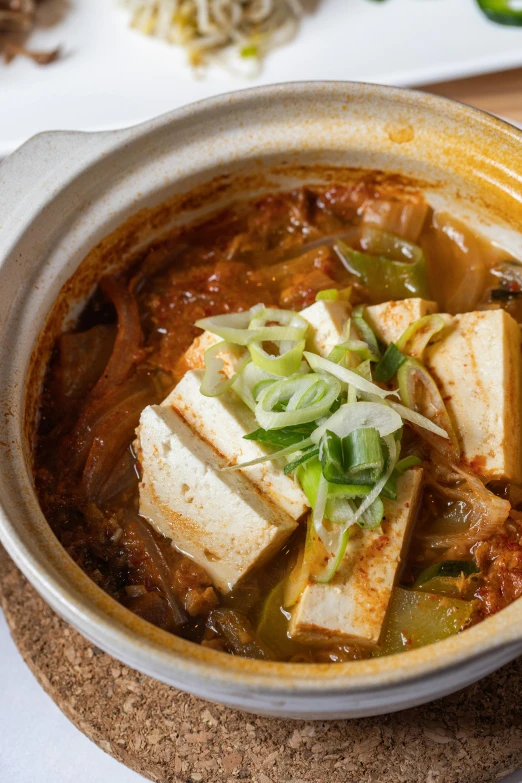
(390, 319)
(353, 606)
(477, 366)
(222, 422)
(194, 357)
(327, 319)
(219, 519)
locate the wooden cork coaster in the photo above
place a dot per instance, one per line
(474, 736)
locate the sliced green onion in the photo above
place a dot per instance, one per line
(319, 508)
(249, 382)
(358, 347)
(328, 293)
(309, 453)
(331, 455)
(389, 364)
(362, 451)
(215, 381)
(372, 517)
(286, 436)
(335, 562)
(391, 445)
(283, 325)
(409, 376)
(364, 370)
(284, 364)
(347, 492)
(309, 474)
(276, 334)
(406, 463)
(293, 392)
(318, 363)
(269, 457)
(390, 488)
(232, 327)
(365, 330)
(416, 337)
(355, 416)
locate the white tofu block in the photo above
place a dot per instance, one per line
(222, 422)
(194, 357)
(218, 519)
(390, 319)
(476, 364)
(327, 319)
(352, 607)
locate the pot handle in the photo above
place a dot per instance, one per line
(46, 162)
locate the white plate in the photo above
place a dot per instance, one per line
(111, 76)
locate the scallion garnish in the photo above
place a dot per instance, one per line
(362, 451)
(389, 364)
(286, 436)
(331, 453)
(365, 331)
(309, 453)
(406, 463)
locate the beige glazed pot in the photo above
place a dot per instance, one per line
(61, 194)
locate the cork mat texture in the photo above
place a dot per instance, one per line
(474, 736)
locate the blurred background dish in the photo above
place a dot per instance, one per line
(109, 75)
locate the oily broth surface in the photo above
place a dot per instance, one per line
(277, 250)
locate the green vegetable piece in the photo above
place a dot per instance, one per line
(389, 364)
(328, 293)
(447, 568)
(502, 12)
(272, 627)
(309, 475)
(390, 488)
(385, 277)
(309, 453)
(416, 337)
(284, 437)
(332, 458)
(335, 562)
(249, 51)
(406, 463)
(363, 452)
(416, 618)
(372, 517)
(365, 331)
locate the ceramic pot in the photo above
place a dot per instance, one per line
(65, 196)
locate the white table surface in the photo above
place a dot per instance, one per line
(37, 742)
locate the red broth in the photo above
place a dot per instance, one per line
(126, 352)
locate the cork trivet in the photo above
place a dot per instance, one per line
(474, 736)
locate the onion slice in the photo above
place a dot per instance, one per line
(354, 416)
(128, 339)
(348, 376)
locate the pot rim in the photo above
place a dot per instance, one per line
(157, 652)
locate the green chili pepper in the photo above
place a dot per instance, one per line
(501, 11)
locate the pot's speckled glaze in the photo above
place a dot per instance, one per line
(62, 193)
